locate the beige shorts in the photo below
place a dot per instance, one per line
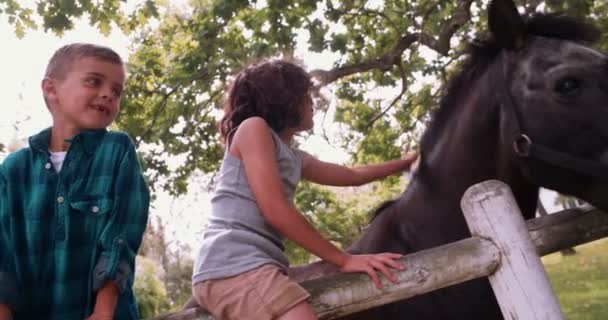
(264, 293)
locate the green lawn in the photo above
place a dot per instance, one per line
(581, 281)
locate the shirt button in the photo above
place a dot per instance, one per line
(47, 166)
(60, 199)
(95, 209)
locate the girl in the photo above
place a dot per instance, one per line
(240, 272)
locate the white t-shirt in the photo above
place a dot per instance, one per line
(57, 159)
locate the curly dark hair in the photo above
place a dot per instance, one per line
(275, 90)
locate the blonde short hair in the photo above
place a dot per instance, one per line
(62, 59)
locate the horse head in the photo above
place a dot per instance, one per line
(555, 103)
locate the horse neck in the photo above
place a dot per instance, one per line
(472, 149)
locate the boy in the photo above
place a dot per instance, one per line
(74, 204)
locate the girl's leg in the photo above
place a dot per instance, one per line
(301, 311)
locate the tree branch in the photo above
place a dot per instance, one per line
(384, 62)
(159, 107)
(441, 45)
(531, 5)
(394, 102)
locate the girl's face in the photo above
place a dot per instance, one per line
(306, 116)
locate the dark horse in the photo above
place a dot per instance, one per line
(530, 108)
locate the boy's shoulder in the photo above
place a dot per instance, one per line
(106, 138)
(118, 137)
(17, 159)
(112, 139)
(113, 142)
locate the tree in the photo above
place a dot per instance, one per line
(392, 58)
(180, 67)
(384, 48)
(59, 16)
(568, 202)
(151, 293)
(340, 214)
(3, 152)
(173, 266)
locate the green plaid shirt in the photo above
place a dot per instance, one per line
(64, 235)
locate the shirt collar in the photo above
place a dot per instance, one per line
(89, 139)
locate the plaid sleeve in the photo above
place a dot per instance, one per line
(123, 234)
(9, 290)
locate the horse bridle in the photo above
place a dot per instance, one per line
(525, 147)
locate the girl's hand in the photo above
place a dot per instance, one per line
(409, 158)
(369, 263)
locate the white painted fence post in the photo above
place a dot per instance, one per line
(520, 284)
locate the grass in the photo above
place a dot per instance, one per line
(581, 281)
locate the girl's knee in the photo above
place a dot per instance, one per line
(301, 311)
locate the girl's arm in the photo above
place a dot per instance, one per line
(254, 145)
(330, 174)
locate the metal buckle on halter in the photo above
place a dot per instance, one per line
(521, 145)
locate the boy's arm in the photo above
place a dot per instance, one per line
(9, 292)
(330, 174)
(121, 237)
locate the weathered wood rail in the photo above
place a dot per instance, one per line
(499, 243)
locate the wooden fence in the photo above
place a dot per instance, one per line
(503, 247)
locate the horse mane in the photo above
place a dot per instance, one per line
(479, 55)
(376, 212)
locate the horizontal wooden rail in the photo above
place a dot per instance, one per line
(567, 229)
(341, 294)
(426, 271)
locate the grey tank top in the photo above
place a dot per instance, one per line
(237, 238)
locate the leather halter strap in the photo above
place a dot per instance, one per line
(525, 147)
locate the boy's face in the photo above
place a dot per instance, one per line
(87, 96)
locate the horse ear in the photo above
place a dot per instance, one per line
(506, 24)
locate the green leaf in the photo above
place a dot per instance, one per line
(59, 16)
(317, 30)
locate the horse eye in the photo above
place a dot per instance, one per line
(568, 86)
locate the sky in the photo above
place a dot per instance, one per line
(23, 63)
